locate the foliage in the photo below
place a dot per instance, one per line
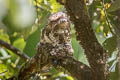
(21, 22)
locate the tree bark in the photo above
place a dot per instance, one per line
(95, 53)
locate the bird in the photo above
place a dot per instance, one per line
(55, 41)
(58, 33)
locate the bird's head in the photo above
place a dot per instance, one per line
(58, 28)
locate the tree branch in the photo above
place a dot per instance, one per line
(95, 53)
(15, 50)
(75, 68)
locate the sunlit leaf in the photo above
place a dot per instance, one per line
(55, 6)
(3, 68)
(5, 71)
(69, 78)
(19, 43)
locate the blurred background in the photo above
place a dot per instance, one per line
(21, 22)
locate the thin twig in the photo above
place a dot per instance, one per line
(15, 50)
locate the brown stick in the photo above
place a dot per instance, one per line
(15, 50)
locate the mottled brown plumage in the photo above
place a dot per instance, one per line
(57, 33)
(55, 41)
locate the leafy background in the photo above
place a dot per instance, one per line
(21, 22)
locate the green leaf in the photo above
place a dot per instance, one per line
(34, 38)
(78, 51)
(31, 43)
(110, 44)
(19, 43)
(55, 6)
(5, 72)
(115, 6)
(3, 68)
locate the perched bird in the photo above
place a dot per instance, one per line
(55, 41)
(58, 33)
